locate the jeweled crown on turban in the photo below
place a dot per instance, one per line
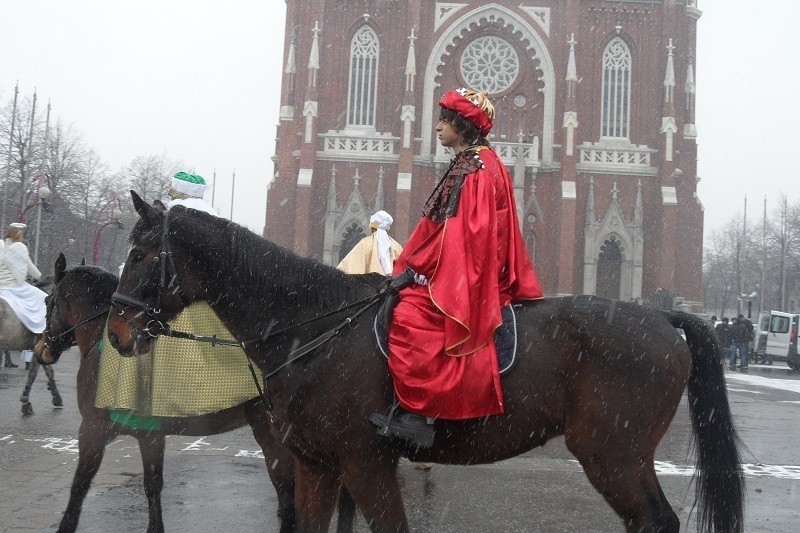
(472, 105)
(190, 184)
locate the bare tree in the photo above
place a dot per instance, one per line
(149, 176)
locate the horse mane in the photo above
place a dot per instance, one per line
(262, 265)
(100, 284)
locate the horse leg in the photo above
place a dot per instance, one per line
(27, 408)
(316, 489)
(32, 372)
(627, 481)
(151, 448)
(377, 493)
(346, 510)
(280, 466)
(92, 440)
(51, 384)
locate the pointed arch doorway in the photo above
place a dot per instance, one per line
(609, 269)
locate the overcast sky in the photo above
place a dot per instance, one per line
(200, 81)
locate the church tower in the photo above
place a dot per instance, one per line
(595, 122)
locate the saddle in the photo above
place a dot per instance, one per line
(505, 336)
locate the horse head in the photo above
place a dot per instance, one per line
(78, 296)
(154, 285)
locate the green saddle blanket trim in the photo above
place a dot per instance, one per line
(151, 423)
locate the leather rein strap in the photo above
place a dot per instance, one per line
(157, 328)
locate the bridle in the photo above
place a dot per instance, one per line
(50, 340)
(156, 327)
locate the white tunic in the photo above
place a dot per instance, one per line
(24, 299)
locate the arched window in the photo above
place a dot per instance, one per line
(352, 235)
(609, 269)
(616, 111)
(364, 50)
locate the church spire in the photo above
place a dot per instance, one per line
(689, 86)
(571, 114)
(411, 63)
(669, 126)
(669, 76)
(572, 71)
(291, 61)
(313, 58)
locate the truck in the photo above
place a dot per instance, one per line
(776, 338)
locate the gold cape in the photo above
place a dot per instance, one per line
(179, 377)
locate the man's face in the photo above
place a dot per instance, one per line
(448, 135)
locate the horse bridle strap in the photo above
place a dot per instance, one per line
(76, 326)
(164, 256)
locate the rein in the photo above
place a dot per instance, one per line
(76, 326)
(156, 327)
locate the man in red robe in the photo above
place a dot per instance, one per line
(469, 260)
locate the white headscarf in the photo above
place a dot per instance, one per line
(382, 221)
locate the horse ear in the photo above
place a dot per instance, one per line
(147, 212)
(83, 261)
(159, 205)
(60, 267)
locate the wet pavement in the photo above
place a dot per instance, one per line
(219, 483)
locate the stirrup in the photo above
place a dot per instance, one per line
(407, 426)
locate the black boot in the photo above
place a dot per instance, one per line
(9, 363)
(408, 426)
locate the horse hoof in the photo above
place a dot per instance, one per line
(57, 401)
(27, 409)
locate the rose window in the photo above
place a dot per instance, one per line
(489, 64)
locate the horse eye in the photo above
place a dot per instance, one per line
(137, 256)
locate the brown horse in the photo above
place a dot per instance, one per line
(76, 314)
(607, 375)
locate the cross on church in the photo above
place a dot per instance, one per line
(316, 29)
(614, 191)
(572, 42)
(412, 37)
(670, 47)
(356, 179)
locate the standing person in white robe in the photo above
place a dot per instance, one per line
(376, 252)
(24, 299)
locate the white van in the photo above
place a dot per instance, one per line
(776, 337)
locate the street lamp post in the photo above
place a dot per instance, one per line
(42, 194)
(114, 216)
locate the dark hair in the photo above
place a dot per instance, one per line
(464, 127)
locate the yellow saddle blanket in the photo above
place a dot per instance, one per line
(179, 377)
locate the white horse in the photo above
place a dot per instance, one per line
(13, 335)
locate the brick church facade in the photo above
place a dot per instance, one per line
(595, 122)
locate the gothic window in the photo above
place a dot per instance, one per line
(364, 50)
(609, 269)
(489, 64)
(352, 235)
(616, 99)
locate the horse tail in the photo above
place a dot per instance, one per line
(719, 477)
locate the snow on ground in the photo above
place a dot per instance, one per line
(760, 381)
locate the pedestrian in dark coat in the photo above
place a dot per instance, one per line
(724, 334)
(742, 335)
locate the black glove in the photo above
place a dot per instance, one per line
(401, 281)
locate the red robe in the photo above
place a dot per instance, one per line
(443, 356)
